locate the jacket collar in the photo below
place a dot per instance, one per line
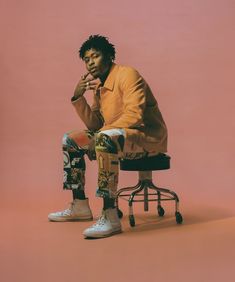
(110, 80)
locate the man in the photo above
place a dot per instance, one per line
(123, 122)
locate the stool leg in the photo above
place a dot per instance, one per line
(160, 209)
(125, 189)
(118, 194)
(146, 203)
(131, 216)
(167, 191)
(159, 198)
(131, 199)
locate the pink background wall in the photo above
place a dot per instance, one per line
(184, 49)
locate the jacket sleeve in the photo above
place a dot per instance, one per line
(133, 88)
(91, 116)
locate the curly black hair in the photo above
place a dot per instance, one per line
(99, 43)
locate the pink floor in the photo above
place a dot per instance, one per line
(156, 249)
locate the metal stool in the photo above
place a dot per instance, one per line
(145, 166)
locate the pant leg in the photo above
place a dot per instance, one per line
(110, 146)
(75, 145)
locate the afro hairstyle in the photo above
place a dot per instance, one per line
(99, 43)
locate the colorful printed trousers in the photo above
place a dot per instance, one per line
(106, 147)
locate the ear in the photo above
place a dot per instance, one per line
(109, 58)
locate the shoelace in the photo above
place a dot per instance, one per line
(101, 221)
(69, 210)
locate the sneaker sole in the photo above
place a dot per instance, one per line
(103, 235)
(69, 219)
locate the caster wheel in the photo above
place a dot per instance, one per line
(132, 220)
(160, 210)
(178, 217)
(120, 214)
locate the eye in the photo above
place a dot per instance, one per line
(95, 56)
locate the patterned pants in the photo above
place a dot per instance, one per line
(106, 147)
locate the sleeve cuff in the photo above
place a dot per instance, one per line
(75, 99)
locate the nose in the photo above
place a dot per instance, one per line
(91, 62)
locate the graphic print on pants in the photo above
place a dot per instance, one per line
(106, 147)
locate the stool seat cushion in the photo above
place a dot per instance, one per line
(158, 162)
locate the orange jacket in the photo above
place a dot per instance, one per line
(126, 101)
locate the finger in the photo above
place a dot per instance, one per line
(90, 79)
(85, 76)
(91, 83)
(87, 83)
(92, 88)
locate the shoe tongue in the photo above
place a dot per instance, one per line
(101, 219)
(107, 210)
(104, 214)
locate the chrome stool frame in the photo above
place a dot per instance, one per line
(159, 162)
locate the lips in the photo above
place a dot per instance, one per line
(93, 70)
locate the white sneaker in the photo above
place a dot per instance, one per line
(79, 210)
(108, 224)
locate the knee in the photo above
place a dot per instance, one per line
(65, 139)
(68, 142)
(105, 143)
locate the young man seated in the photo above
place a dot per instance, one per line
(124, 121)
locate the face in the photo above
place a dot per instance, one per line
(96, 63)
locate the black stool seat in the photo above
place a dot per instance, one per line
(158, 162)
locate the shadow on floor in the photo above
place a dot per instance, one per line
(147, 221)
